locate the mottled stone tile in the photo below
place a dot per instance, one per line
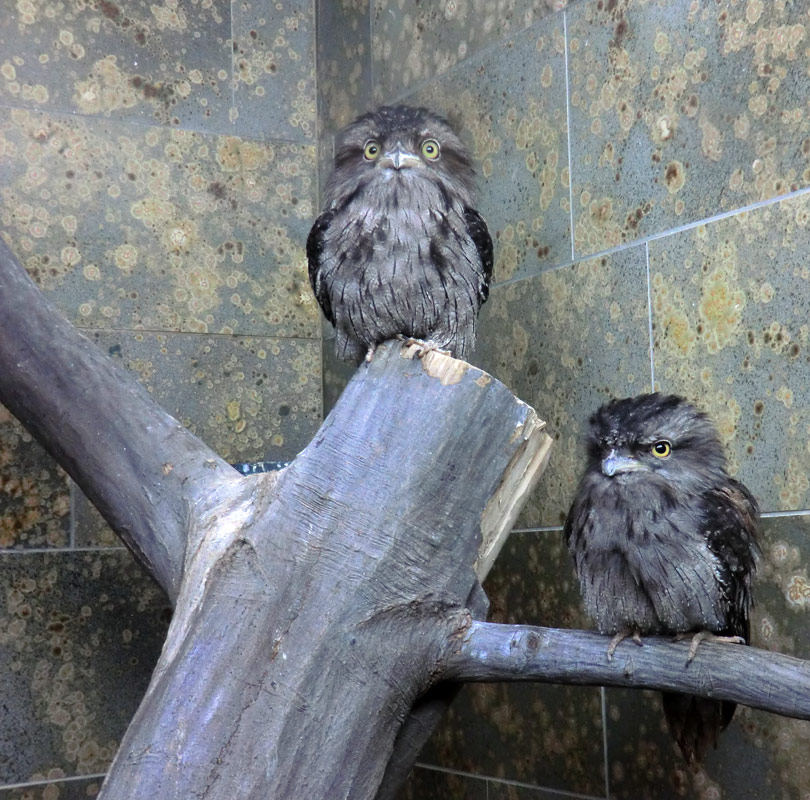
(90, 529)
(680, 111)
(56, 790)
(336, 374)
(249, 399)
(34, 493)
(759, 755)
(428, 784)
(731, 312)
(79, 636)
(533, 733)
(533, 583)
(565, 342)
(127, 226)
(509, 105)
(413, 42)
(780, 619)
(344, 61)
(166, 62)
(274, 69)
(498, 790)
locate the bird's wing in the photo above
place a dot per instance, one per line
(479, 233)
(732, 529)
(314, 250)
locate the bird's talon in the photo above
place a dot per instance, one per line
(619, 638)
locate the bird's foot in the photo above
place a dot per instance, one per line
(706, 636)
(619, 638)
(370, 353)
(423, 345)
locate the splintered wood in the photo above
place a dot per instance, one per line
(524, 469)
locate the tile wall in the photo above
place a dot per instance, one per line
(645, 167)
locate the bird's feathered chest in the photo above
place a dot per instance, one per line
(644, 559)
(397, 230)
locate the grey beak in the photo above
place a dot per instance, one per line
(399, 158)
(614, 463)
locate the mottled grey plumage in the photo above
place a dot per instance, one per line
(663, 540)
(399, 248)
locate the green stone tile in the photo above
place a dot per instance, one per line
(509, 105)
(90, 529)
(533, 583)
(565, 342)
(344, 61)
(336, 374)
(133, 227)
(498, 790)
(413, 42)
(680, 111)
(781, 616)
(249, 399)
(168, 63)
(79, 636)
(274, 69)
(532, 733)
(731, 311)
(539, 734)
(428, 784)
(55, 790)
(759, 755)
(34, 492)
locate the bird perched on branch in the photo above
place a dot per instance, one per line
(399, 249)
(664, 541)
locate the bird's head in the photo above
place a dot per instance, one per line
(656, 439)
(402, 143)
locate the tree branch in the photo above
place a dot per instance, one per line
(757, 678)
(132, 459)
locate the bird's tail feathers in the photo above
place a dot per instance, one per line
(696, 722)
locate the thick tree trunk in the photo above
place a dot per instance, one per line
(323, 601)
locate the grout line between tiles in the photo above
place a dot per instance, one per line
(49, 781)
(774, 514)
(163, 332)
(371, 49)
(605, 741)
(650, 316)
(233, 69)
(27, 551)
(653, 237)
(506, 781)
(546, 529)
(481, 54)
(765, 515)
(568, 136)
(66, 112)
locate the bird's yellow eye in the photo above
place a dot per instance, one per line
(430, 149)
(371, 149)
(661, 449)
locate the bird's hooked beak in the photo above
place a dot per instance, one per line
(399, 158)
(614, 464)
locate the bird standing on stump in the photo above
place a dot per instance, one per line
(664, 541)
(399, 249)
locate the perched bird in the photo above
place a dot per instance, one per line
(399, 249)
(664, 541)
